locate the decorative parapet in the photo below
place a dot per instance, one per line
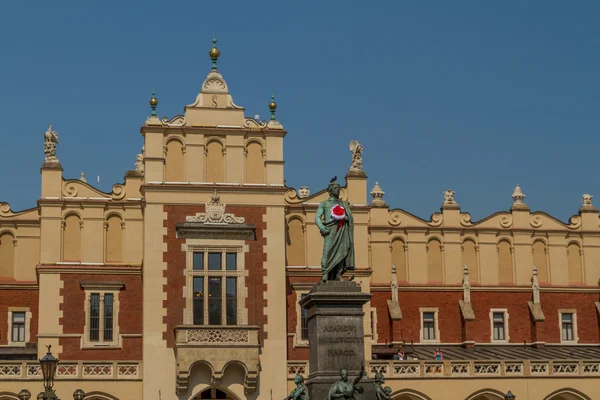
(89, 370)
(458, 369)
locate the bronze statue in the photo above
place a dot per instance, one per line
(382, 393)
(343, 389)
(336, 224)
(300, 392)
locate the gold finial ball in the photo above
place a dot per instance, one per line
(272, 104)
(153, 101)
(214, 52)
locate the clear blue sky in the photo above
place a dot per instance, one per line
(470, 95)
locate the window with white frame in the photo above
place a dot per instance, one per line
(303, 320)
(568, 325)
(101, 314)
(430, 331)
(19, 319)
(499, 325)
(374, 325)
(215, 277)
(301, 334)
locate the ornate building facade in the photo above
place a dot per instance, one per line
(183, 282)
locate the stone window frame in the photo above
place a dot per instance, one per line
(298, 341)
(435, 311)
(210, 246)
(373, 319)
(572, 311)
(506, 326)
(102, 288)
(28, 317)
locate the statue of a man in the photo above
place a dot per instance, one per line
(381, 392)
(300, 392)
(343, 389)
(336, 224)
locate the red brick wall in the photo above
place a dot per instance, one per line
(520, 324)
(295, 353)
(18, 298)
(176, 264)
(73, 320)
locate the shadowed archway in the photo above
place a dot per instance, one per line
(407, 394)
(567, 394)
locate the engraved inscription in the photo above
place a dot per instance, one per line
(341, 335)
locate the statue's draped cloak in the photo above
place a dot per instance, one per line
(338, 246)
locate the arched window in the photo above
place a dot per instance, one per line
(114, 239)
(72, 239)
(505, 263)
(399, 260)
(7, 255)
(215, 162)
(574, 262)
(540, 261)
(470, 259)
(255, 165)
(295, 246)
(212, 393)
(434, 261)
(174, 162)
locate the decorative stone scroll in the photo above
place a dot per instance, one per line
(178, 120)
(254, 123)
(215, 213)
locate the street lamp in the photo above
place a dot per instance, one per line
(24, 394)
(509, 396)
(48, 364)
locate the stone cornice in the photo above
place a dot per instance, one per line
(93, 269)
(19, 285)
(427, 288)
(211, 130)
(209, 187)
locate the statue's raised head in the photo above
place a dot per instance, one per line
(379, 378)
(344, 374)
(334, 189)
(298, 379)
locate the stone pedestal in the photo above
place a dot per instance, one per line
(335, 336)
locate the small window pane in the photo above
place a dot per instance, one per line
(198, 264)
(498, 316)
(94, 317)
(198, 301)
(567, 317)
(428, 316)
(108, 317)
(231, 305)
(214, 300)
(214, 261)
(18, 317)
(231, 262)
(428, 326)
(18, 326)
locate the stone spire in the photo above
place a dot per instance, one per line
(377, 195)
(153, 103)
(518, 197)
(535, 286)
(466, 285)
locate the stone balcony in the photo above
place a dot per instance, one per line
(68, 370)
(217, 347)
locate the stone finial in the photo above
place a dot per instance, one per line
(50, 143)
(586, 204)
(394, 284)
(303, 192)
(377, 194)
(518, 197)
(449, 197)
(535, 286)
(82, 177)
(356, 149)
(466, 285)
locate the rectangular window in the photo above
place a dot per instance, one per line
(198, 262)
(429, 325)
(108, 317)
(198, 301)
(215, 305)
(303, 321)
(94, 317)
(18, 326)
(214, 261)
(498, 321)
(231, 306)
(567, 326)
(231, 262)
